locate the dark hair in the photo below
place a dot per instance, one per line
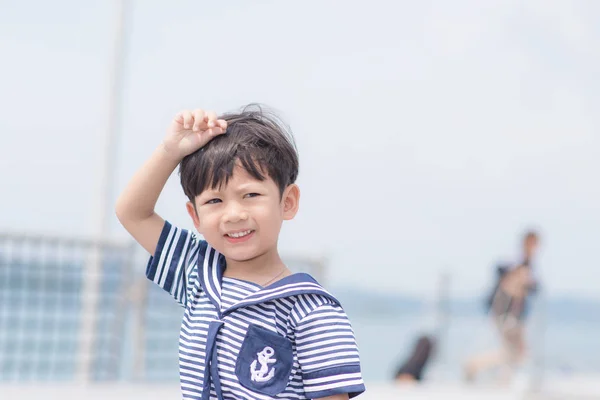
(256, 139)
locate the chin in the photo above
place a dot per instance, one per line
(241, 256)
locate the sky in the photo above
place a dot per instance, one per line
(431, 134)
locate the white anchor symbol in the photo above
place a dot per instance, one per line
(264, 358)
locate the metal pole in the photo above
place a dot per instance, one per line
(140, 301)
(442, 320)
(93, 268)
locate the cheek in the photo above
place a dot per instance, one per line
(271, 210)
(269, 215)
(208, 222)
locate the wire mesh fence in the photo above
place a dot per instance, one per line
(43, 307)
(82, 310)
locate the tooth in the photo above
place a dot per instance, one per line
(239, 234)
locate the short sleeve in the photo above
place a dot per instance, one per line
(328, 354)
(174, 264)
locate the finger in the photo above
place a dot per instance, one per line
(222, 124)
(198, 119)
(179, 118)
(216, 131)
(211, 118)
(188, 119)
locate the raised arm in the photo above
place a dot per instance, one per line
(189, 131)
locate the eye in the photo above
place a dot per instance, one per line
(249, 195)
(213, 201)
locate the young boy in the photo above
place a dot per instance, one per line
(251, 329)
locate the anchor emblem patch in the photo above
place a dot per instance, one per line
(265, 361)
(264, 358)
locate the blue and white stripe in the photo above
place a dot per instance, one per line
(218, 312)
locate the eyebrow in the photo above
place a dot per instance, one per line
(242, 188)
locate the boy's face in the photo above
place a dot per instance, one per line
(242, 219)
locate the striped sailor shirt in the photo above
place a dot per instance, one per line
(238, 340)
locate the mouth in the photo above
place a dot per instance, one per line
(239, 236)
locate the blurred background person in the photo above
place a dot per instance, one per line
(508, 306)
(412, 370)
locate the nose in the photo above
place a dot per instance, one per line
(234, 212)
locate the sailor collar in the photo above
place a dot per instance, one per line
(211, 279)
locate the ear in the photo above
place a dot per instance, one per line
(290, 201)
(193, 214)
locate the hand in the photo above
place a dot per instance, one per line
(191, 130)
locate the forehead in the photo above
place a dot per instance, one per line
(241, 176)
(240, 179)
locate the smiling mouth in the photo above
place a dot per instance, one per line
(238, 235)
